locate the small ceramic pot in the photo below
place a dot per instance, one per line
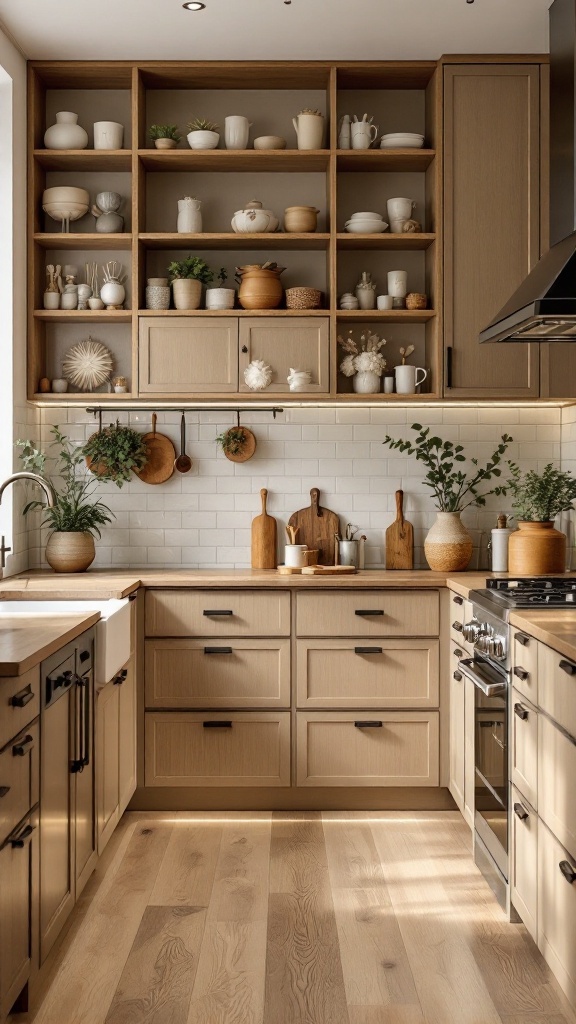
(384, 301)
(70, 552)
(251, 221)
(236, 131)
(270, 142)
(187, 293)
(536, 549)
(157, 293)
(448, 545)
(189, 216)
(301, 219)
(51, 300)
(366, 298)
(95, 303)
(113, 294)
(366, 383)
(108, 135)
(165, 143)
(60, 386)
(220, 298)
(295, 555)
(203, 140)
(66, 133)
(69, 300)
(260, 289)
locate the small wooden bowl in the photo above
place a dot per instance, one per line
(414, 300)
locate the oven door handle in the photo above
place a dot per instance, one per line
(466, 666)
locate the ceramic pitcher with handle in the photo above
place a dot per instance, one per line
(309, 130)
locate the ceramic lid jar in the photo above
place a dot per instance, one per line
(254, 219)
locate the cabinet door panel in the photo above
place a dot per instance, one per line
(492, 238)
(15, 912)
(557, 910)
(524, 861)
(181, 355)
(298, 342)
(108, 768)
(127, 736)
(457, 734)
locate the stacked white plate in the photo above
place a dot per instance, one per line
(402, 140)
(366, 223)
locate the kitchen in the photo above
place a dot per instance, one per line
(287, 797)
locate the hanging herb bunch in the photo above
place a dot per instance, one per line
(238, 443)
(115, 452)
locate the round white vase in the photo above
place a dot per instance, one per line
(189, 216)
(366, 382)
(66, 133)
(113, 294)
(448, 545)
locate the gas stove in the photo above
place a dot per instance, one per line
(524, 592)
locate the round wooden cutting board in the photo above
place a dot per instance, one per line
(161, 457)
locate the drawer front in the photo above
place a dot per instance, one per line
(18, 779)
(231, 674)
(376, 749)
(557, 687)
(524, 861)
(368, 613)
(556, 772)
(19, 703)
(237, 749)
(524, 655)
(217, 613)
(524, 729)
(345, 674)
(557, 910)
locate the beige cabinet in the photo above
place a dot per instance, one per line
(217, 613)
(301, 342)
(524, 747)
(524, 655)
(127, 721)
(557, 909)
(115, 743)
(457, 730)
(556, 772)
(19, 703)
(557, 687)
(375, 613)
(16, 871)
(184, 355)
(524, 861)
(492, 217)
(19, 765)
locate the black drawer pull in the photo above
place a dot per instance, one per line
(4, 790)
(367, 650)
(217, 650)
(458, 600)
(457, 676)
(520, 672)
(568, 667)
(369, 611)
(84, 655)
(520, 812)
(568, 871)
(458, 652)
(216, 611)
(22, 748)
(21, 699)
(217, 725)
(458, 627)
(367, 725)
(19, 841)
(521, 638)
(121, 677)
(521, 712)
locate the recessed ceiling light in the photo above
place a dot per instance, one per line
(194, 5)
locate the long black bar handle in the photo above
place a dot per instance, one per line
(568, 667)
(368, 725)
(217, 725)
(521, 638)
(21, 699)
(449, 366)
(568, 871)
(87, 723)
(367, 650)
(520, 672)
(521, 712)
(79, 727)
(520, 812)
(217, 650)
(217, 611)
(458, 600)
(369, 611)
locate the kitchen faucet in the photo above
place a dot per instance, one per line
(50, 500)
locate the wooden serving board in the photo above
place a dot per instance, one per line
(161, 457)
(400, 539)
(329, 570)
(264, 538)
(316, 528)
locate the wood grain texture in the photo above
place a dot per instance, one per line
(264, 538)
(317, 527)
(400, 539)
(26, 640)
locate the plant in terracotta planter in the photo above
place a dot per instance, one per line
(113, 453)
(76, 516)
(164, 136)
(448, 546)
(203, 134)
(187, 277)
(536, 548)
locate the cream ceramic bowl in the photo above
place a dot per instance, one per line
(251, 221)
(270, 142)
(64, 202)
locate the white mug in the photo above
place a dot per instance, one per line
(362, 137)
(407, 380)
(399, 209)
(108, 135)
(397, 283)
(295, 555)
(236, 131)
(384, 301)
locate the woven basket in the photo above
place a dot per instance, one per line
(303, 298)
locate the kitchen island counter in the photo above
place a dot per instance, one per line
(26, 640)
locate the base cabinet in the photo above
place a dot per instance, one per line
(17, 857)
(115, 751)
(524, 861)
(557, 909)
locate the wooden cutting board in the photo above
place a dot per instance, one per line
(264, 538)
(329, 570)
(161, 457)
(400, 539)
(316, 528)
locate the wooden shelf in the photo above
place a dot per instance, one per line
(397, 243)
(391, 316)
(234, 312)
(84, 316)
(384, 159)
(231, 240)
(83, 397)
(86, 240)
(84, 159)
(235, 159)
(427, 396)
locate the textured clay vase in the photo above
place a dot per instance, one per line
(189, 216)
(187, 293)
(366, 382)
(448, 545)
(70, 552)
(66, 133)
(260, 289)
(536, 549)
(158, 293)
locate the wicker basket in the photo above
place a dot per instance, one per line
(303, 298)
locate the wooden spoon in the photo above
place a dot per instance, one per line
(183, 463)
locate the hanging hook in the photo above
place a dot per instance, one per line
(99, 421)
(238, 418)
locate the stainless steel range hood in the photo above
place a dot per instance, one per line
(543, 308)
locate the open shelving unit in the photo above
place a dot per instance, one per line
(398, 94)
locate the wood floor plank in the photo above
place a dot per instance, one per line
(187, 873)
(385, 1014)
(304, 982)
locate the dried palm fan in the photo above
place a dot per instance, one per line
(88, 364)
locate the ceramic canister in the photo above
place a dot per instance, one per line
(66, 133)
(189, 216)
(157, 293)
(295, 555)
(108, 135)
(236, 131)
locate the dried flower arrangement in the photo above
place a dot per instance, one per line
(406, 352)
(363, 356)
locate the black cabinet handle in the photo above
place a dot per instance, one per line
(457, 676)
(449, 351)
(19, 841)
(568, 871)
(4, 790)
(520, 672)
(458, 652)
(369, 611)
(458, 627)
(520, 812)
(121, 677)
(217, 650)
(22, 748)
(217, 725)
(521, 712)
(567, 667)
(522, 639)
(367, 725)
(21, 699)
(458, 600)
(367, 650)
(84, 655)
(217, 611)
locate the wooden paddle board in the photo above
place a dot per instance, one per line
(161, 457)
(264, 538)
(400, 539)
(317, 527)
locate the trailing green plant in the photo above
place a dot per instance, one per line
(200, 124)
(116, 452)
(233, 440)
(164, 131)
(75, 510)
(192, 267)
(453, 488)
(540, 497)
(222, 276)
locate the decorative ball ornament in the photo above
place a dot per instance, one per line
(258, 375)
(88, 364)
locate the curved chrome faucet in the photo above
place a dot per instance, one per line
(35, 478)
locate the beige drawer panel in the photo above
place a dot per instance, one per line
(186, 613)
(18, 779)
(524, 730)
(557, 687)
(400, 751)
(193, 674)
(524, 655)
(19, 703)
(249, 748)
(524, 861)
(557, 910)
(556, 772)
(368, 613)
(392, 674)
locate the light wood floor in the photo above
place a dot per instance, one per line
(288, 918)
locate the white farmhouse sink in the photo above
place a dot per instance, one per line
(112, 630)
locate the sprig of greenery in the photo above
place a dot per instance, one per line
(540, 497)
(222, 276)
(191, 267)
(233, 440)
(115, 452)
(453, 488)
(200, 124)
(164, 131)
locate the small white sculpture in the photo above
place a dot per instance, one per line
(88, 364)
(258, 375)
(298, 380)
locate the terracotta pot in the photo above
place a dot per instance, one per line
(187, 293)
(260, 289)
(536, 549)
(70, 552)
(448, 545)
(301, 218)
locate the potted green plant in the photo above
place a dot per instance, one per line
(113, 453)
(537, 548)
(203, 134)
(164, 136)
(220, 297)
(187, 277)
(238, 443)
(76, 516)
(448, 545)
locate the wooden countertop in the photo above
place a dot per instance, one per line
(25, 640)
(85, 586)
(554, 627)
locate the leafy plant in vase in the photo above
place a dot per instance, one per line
(537, 548)
(220, 297)
(164, 136)
(76, 516)
(363, 362)
(115, 452)
(448, 545)
(187, 277)
(203, 134)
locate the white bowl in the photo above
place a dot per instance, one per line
(369, 227)
(402, 142)
(251, 221)
(366, 216)
(270, 142)
(203, 140)
(407, 135)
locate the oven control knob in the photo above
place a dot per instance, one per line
(471, 631)
(498, 649)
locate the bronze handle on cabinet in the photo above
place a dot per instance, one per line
(19, 841)
(457, 676)
(523, 639)
(217, 650)
(216, 725)
(520, 672)
(368, 725)
(458, 600)
(458, 627)
(367, 650)
(521, 712)
(22, 748)
(21, 699)
(520, 812)
(368, 611)
(567, 667)
(121, 677)
(568, 871)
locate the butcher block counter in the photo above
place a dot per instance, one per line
(25, 641)
(554, 627)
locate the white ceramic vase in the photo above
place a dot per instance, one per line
(70, 552)
(108, 135)
(66, 133)
(113, 294)
(187, 293)
(236, 131)
(366, 383)
(309, 130)
(189, 216)
(366, 297)
(448, 545)
(51, 300)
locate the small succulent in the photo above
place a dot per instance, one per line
(164, 131)
(200, 124)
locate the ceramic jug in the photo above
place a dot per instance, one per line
(309, 130)
(407, 379)
(189, 216)
(236, 131)
(363, 134)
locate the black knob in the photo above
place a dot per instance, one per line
(458, 652)
(458, 600)
(520, 812)
(244, 348)
(568, 871)
(522, 639)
